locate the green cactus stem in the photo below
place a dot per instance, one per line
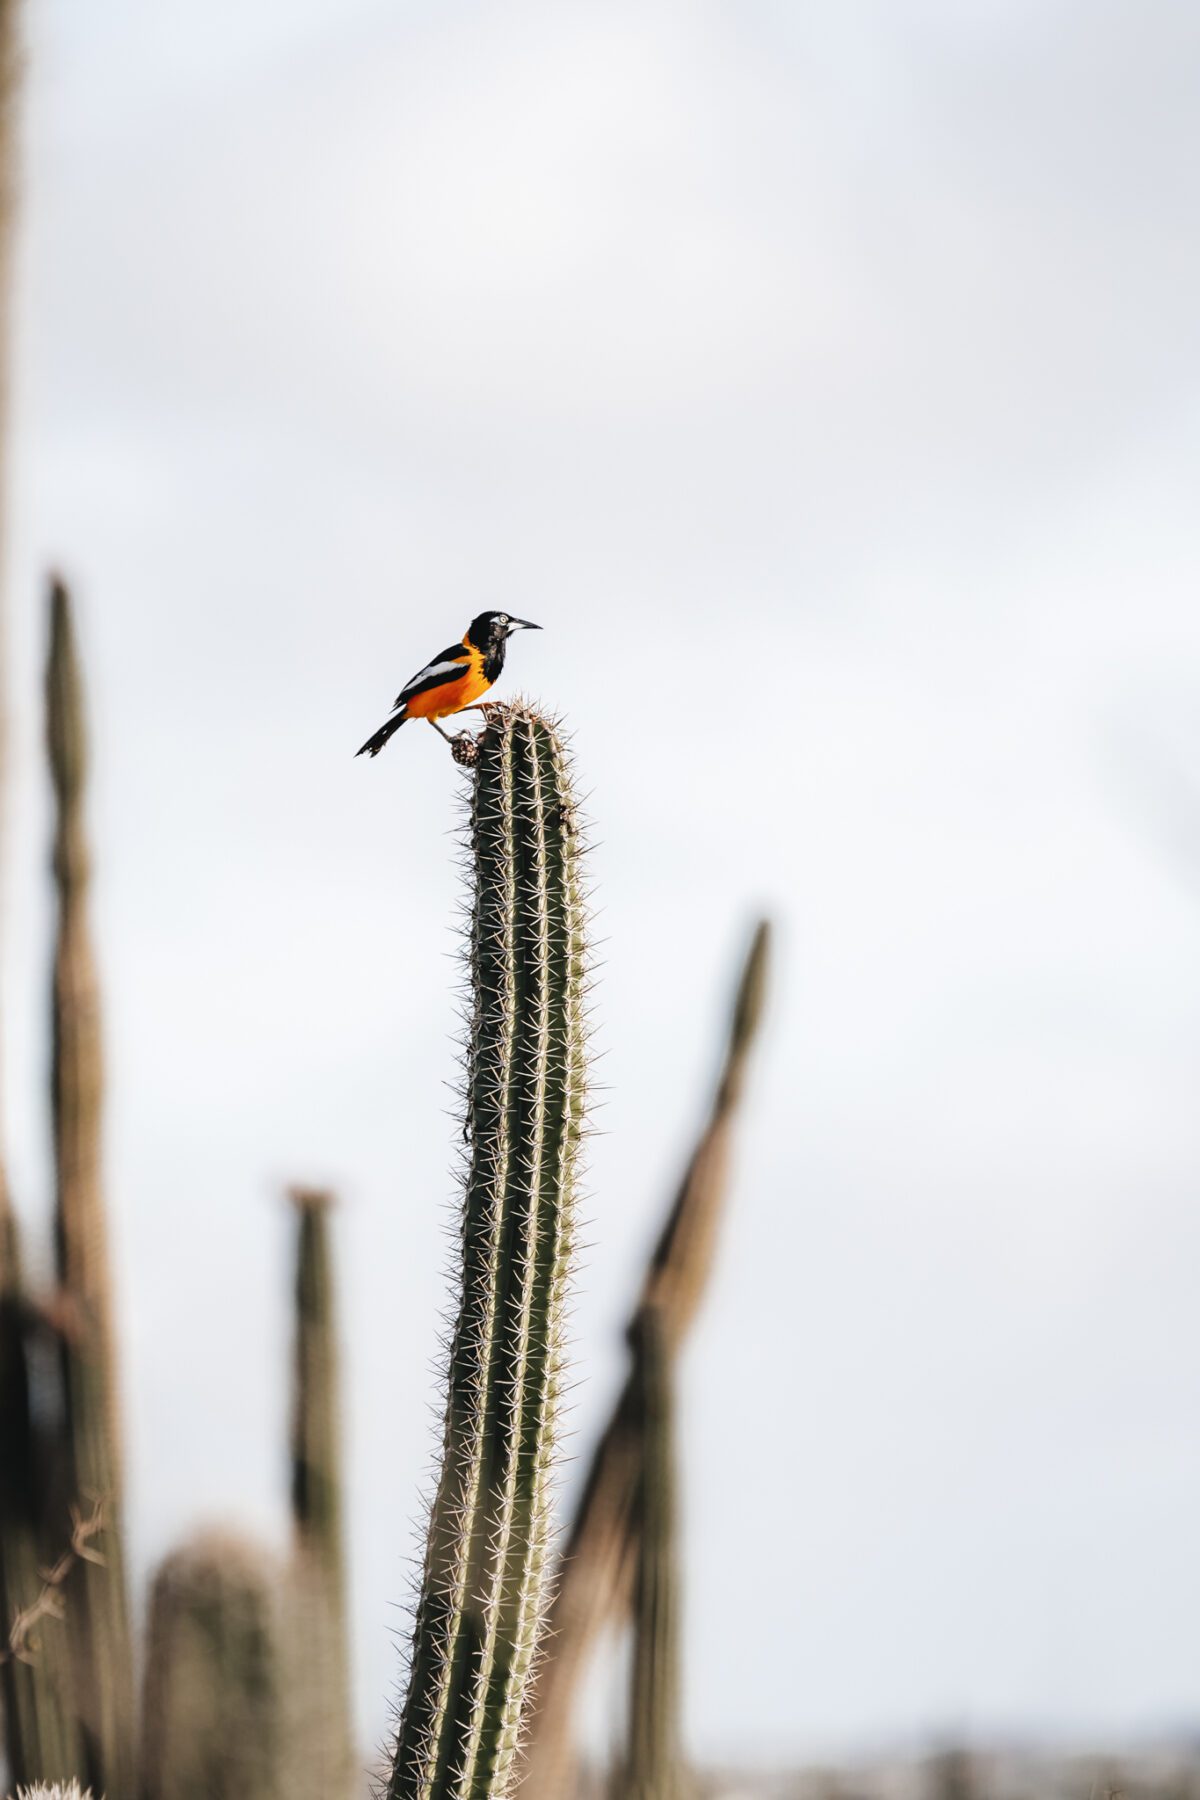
(320, 1733)
(95, 1592)
(483, 1592)
(212, 1701)
(654, 1769)
(596, 1568)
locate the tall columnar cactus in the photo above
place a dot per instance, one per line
(320, 1732)
(95, 1592)
(595, 1575)
(654, 1769)
(212, 1717)
(482, 1599)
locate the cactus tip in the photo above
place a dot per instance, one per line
(311, 1199)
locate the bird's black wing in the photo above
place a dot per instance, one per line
(445, 666)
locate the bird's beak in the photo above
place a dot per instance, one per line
(523, 625)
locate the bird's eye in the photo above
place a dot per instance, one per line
(503, 619)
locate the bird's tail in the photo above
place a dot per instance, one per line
(375, 744)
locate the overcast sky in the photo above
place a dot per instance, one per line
(825, 380)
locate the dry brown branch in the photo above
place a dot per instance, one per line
(596, 1568)
(48, 1603)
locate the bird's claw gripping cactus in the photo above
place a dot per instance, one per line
(483, 1592)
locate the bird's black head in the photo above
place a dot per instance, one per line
(492, 629)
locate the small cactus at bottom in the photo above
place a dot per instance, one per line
(211, 1709)
(483, 1593)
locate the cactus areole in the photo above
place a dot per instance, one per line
(483, 1593)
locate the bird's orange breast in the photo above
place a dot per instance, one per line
(452, 695)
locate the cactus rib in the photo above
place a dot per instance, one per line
(483, 1591)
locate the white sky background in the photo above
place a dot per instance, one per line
(825, 379)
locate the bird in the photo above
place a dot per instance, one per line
(453, 679)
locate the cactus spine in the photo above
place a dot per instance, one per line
(596, 1569)
(320, 1734)
(95, 1592)
(483, 1591)
(654, 1765)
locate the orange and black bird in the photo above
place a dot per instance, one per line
(454, 679)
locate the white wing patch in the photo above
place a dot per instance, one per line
(432, 672)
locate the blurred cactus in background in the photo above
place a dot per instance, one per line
(596, 1569)
(483, 1592)
(320, 1734)
(95, 1589)
(213, 1699)
(952, 1774)
(654, 1769)
(68, 1691)
(20, 1500)
(223, 1714)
